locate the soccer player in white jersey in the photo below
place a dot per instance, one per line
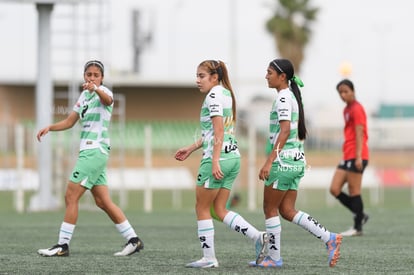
(285, 166)
(220, 163)
(93, 109)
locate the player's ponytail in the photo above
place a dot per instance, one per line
(225, 81)
(218, 67)
(286, 67)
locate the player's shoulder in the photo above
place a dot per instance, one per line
(284, 96)
(216, 92)
(285, 93)
(357, 106)
(106, 89)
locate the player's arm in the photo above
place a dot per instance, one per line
(218, 144)
(67, 123)
(359, 138)
(185, 152)
(279, 144)
(281, 140)
(105, 98)
(196, 145)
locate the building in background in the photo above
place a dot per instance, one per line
(159, 43)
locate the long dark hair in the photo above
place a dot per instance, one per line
(218, 67)
(286, 67)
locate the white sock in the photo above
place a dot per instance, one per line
(273, 229)
(206, 237)
(239, 224)
(65, 233)
(126, 230)
(313, 226)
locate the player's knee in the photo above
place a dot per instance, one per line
(334, 191)
(101, 204)
(287, 213)
(217, 213)
(70, 199)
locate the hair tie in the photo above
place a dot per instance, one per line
(298, 81)
(219, 70)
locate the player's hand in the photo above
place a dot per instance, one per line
(90, 85)
(358, 164)
(182, 154)
(41, 133)
(265, 172)
(216, 170)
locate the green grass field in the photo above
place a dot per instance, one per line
(170, 241)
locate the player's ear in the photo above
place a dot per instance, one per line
(214, 77)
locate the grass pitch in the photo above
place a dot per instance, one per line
(170, 242)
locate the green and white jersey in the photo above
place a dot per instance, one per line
(94, 118)
(218, 102)
(285, 107)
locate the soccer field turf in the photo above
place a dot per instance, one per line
(171, 241)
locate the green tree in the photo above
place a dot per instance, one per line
(290, 26)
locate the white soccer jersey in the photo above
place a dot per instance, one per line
(94, 118)
(285, 107)
(218, 102)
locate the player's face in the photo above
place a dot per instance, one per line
(205, 81)
(93, 74)
(346, 93)
(274, 79)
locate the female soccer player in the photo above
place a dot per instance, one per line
(220, 163)
(285, 166)
(355, 158)
(94, 110)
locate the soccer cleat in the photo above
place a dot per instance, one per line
(59, 250)
(133, 245)
(252, 263)
(351, 232)
(203, 263)
(268, 262)
(260, 246)
(333, 246)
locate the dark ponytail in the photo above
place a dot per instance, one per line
(286, 67)
(302, 132)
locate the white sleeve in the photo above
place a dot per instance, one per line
(284, 106)
(107, 91)
(215, 102)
